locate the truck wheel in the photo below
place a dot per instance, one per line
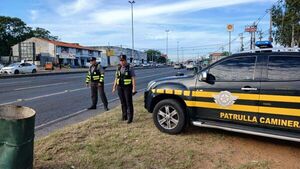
(169, 116)
(16, 72)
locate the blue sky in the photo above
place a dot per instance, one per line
(197, 26)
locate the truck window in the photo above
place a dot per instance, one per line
(283, 68)
(236, 69)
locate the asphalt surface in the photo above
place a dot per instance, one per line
(58, 97)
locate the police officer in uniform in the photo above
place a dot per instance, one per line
(125, 84)
(95, 79)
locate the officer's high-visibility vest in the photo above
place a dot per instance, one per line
(124, 79)
(96, 75)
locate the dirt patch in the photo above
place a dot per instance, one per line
(107, 142)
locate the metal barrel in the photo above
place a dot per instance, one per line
(16, 137)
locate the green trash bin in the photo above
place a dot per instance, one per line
(16, 137)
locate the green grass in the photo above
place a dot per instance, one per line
(107, 142)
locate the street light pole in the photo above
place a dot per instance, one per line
(177, 51)
(132, 31)
(167, 31)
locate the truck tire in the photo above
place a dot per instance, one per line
(169, 116)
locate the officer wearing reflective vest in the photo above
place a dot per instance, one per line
(95, 79)
(125, 84)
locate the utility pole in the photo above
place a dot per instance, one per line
(177, 51)
(254, 34)
(251, 41)
(182, 54)
(293, 34)
(270, 29)
(132, 31)
(167, 41)
(242, 41)
(260, 35)
(229, 42)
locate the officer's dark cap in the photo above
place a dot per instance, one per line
(92, 59)
(123, 57)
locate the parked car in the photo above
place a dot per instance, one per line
(17, 68)
(146, 65)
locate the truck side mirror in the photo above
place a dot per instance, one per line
(203, 76)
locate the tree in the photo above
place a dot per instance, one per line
(225, 53)
(43, 33)
(153, 55)
(14, 30)
(285, 17)
(161, 59)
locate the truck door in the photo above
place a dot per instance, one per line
(280, 93)
(230, 92)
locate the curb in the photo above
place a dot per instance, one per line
(61, 73)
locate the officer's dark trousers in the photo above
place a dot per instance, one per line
(125, 94)
(94, 93)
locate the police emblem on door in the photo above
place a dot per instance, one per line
(225, 99)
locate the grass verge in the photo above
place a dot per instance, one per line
(107, 142)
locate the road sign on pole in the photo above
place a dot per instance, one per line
(230, 28)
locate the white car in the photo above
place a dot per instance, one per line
(146, 65)
(190, 66)
(178, 66)
(17, 68)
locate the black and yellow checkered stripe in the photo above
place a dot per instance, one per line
(208, 102)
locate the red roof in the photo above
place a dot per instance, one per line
(70, 45)
(217, 54)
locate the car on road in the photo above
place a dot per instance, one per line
(178, 66)
(190, 66)
(255, 92)
(146, 65)
(17, 68)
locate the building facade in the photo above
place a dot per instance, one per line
(215, 57)
(111, 55)
(40, 51)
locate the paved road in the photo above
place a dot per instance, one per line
(56, 97)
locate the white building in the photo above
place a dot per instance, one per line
(110, 54)
(41, 51)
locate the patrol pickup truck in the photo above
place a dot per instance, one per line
(256, 92)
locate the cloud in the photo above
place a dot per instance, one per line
(192, 23)
(76, 7)
(33, 14)
(142, 12)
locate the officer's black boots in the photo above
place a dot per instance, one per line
(106, 108)
(130, 118)
(92, 107)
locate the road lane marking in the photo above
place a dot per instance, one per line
(6, 83)
(75, 114)
(12, 102)
(32, 87)
(68, 91)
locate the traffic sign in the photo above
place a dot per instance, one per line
(230, 27)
